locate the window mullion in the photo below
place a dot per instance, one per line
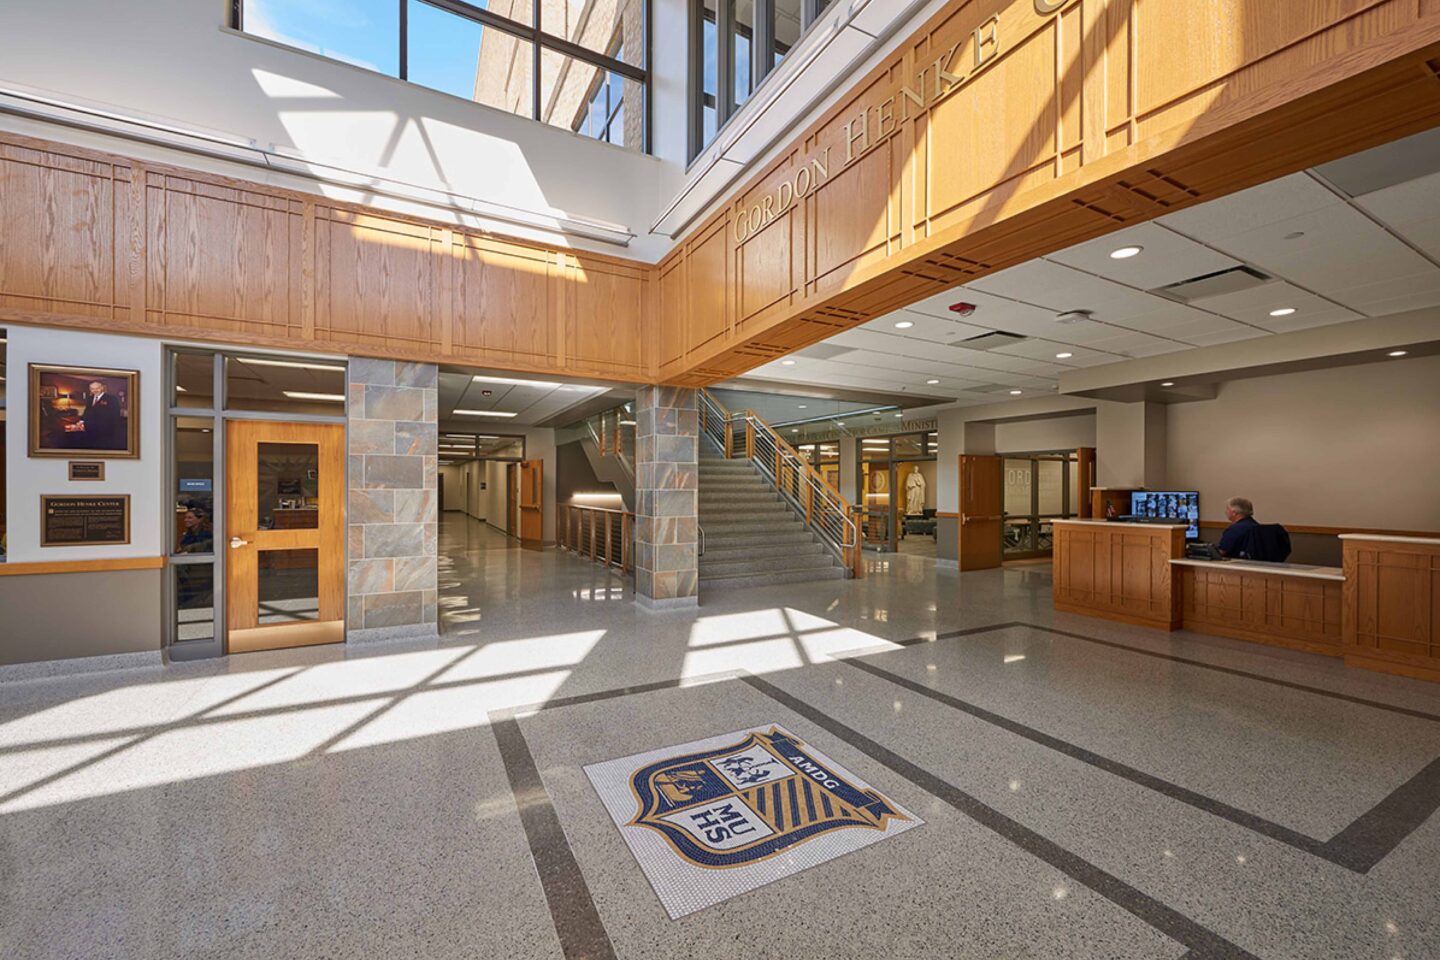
(762, 43)
(404, 39)
(725, 61)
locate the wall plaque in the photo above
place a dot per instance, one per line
(87, 469)
(67, 521)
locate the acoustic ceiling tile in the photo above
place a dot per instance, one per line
(1166, 257)
(1252, 209)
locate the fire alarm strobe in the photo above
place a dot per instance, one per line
(962, 308)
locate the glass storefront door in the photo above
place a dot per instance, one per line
(285, 534)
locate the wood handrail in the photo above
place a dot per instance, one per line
(810, 470)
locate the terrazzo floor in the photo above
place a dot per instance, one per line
(1087, 790)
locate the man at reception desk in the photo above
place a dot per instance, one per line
(1248, 539)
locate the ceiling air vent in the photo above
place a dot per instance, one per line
(989, 341)
(825, 351)
(1214, 284)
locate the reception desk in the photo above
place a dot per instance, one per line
(1381, 611)
(1119, 571)
(1392, 604)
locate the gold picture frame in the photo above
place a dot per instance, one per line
(70, 418)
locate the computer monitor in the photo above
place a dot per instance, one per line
(1181, 506)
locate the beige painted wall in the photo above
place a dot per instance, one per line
(1349, 447)
(1039, 436)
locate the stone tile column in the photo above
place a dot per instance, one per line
(394, 510)
(667, 481)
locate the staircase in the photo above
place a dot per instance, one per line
(751, 536)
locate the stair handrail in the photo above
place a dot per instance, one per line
(614, 547)
(826, 512)
(608, 443)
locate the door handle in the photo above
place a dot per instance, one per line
(236, 543)
(968, 518)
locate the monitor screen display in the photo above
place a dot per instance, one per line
(1178, 505)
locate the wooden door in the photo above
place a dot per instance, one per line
(532, 504)
(981, 512)
(285, 526)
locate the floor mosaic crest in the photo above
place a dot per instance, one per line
(716, 818)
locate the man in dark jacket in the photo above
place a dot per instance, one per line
(1247, 539)
(103, 422)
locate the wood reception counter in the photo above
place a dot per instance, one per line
(1379, 611)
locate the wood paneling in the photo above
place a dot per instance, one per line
(994, 134)
(1117, 571)
(1043, 130)
(1392, 606)
(1301, 613)
(100, 241)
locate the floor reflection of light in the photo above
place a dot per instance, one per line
(134, 706)
(760, 656)
(23, 768)
(205, 750)
(360, 676)
(524, 655)
(729, 627)
(453, 708)
(1014, 657)
(830, 644)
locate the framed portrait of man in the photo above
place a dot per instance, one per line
(84, 412)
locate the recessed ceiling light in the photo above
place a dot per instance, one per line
(932, 382)
(518, 383)
(482, 413)
(904, 324)
(1397, 353)
(787, 363)
(627, 423)
(803, 407)
(839, 423)
(795, 430)
(294, 365)
(327, 397)
(1282, 312)
(1063, 356)
(899, 415)
(1168, 383)
(1016, 393)
(1125, 253)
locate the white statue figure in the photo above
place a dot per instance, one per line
(915, 494)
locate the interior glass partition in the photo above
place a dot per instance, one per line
(1039, 488)
(896, 477)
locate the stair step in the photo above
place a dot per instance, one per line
(744, 539)
(742, 509)
(720, 528)
(736, 581)
(761, 549)
(758, 565)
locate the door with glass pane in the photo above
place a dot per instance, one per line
(285, 534)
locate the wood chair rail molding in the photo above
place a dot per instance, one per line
(1000, 131)
(80, 566)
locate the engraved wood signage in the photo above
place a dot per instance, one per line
(67, 521)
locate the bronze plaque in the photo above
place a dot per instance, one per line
(84, 521)
(87, 469)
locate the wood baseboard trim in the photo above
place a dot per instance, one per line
(80, 566)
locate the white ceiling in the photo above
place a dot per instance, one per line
(1335, 257)
(531, 401)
